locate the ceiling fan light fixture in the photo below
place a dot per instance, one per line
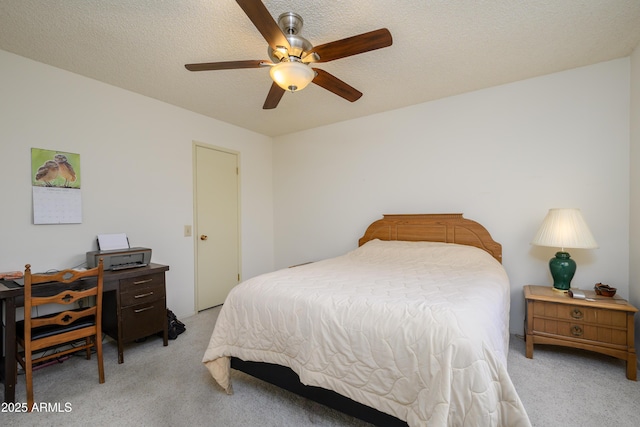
(292, 75)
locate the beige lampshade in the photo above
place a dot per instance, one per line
(564, 228)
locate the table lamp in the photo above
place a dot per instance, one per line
(564, 228)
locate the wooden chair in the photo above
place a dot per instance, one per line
(63, 329)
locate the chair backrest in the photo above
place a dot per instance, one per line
(82, 284)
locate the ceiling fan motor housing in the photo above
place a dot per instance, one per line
(291, 24)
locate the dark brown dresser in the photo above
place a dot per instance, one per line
(138, 307)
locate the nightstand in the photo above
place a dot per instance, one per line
(604, 325)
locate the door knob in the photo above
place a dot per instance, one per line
(203, 237)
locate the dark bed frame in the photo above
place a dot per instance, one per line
(446, 228)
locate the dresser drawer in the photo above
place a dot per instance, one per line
(143, 320)
(142, 295)
(135, 283)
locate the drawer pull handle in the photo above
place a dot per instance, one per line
(140, 282)
(143, 295)
(576, 331)
(576, 313)
(140, 310)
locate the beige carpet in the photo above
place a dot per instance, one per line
(168, 386)
(568, 387)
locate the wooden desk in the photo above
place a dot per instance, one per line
(134, 307)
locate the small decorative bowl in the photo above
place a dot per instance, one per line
(604, 290)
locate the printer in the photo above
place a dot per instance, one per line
(120, 259)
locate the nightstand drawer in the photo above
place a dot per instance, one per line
(579, 330)
(577, 313)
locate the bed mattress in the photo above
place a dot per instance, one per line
(418, 330)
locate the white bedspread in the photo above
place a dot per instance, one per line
(417, 330)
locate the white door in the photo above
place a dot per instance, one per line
(216, 227)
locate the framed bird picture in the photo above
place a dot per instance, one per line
(55, 180)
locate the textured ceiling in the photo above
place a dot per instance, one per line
(440, 48)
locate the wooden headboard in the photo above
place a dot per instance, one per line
(447, 228)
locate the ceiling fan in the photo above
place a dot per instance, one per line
(291, 54)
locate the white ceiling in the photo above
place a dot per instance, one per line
(440, 48)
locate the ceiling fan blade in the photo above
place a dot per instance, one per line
(264, 22)
(350, 46)
(335, 85)
(227, 65)
(273, 98)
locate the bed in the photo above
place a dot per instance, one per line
(412, 327)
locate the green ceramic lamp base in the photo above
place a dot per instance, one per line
(562, 270)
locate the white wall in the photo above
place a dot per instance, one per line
(634, 253)
(137, 174)
(494, 155)
(502, 156)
